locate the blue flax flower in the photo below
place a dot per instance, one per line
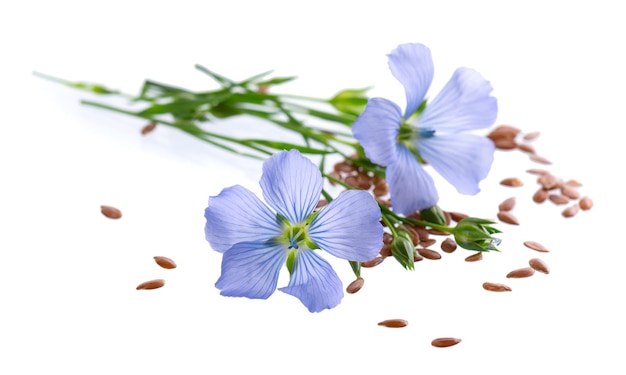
(436, 133)
(257, 240)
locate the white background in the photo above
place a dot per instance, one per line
(68, 302)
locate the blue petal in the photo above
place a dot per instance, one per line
(462, 159)
(464, 104)
(349, 226)
(411, 188)
(291, 184)
(237, 215)
(412, 65)
(250, 269)
(314, 282)
(377, 129)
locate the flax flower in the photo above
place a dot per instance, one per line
(258, 239)
(437, 133)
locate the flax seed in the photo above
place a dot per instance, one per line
(148, 128)
(394, 323)
(536, 246)
(539, 159)
(548, 181)
(531, 136)
(165, 262)
(385, 251)
(355, 286)
(475, 257)
(570, 211)
(511, 181)
(505, 144)
(540, 196)
(521, 272)
(457, 216)
(444, 342)
(537, 171)
(585, 203)
(495, 287)
(558, 199)
(152, 284)
(111, 212)
(427, 242)
(539, 265)
(507, 204)
(429, 254)
(526, 148)
(448, 245)
(570, 191)
(507, 217)
(373, 262)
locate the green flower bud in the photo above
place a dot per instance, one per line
(403, 250)
(476, 234)
(434, 215)
(351, 101)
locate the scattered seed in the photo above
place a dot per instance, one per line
(507, 204)
(372, 263)
(417, 257)
(428, 242)
(526, 148)
(540, 196)
(111, 212)
(503, 132)
(355, 286)
(512, 181)
(507, 217)
(457, 216)
(558, 199)
(429, 254)
(539, 159)
(521, 272)
(148, 128)
(165, 262)
(573, 183)
(585, 203)
(393, 323)
(536, 246)
(548, 181)
(444, 342)
(495, 287)
(570, 211)
(152, 284)
(385, 251)
(448, 245)
(475, 257)
(539, 265)
(570, 191)
(505, 144)
(537, 171)
(531, 136)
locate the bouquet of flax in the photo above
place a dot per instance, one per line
(387, 205)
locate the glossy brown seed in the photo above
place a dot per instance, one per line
(428, 242)
(548, 181)
(540, 196)
(495, 287)
(539, 159)
(539, 265)
(511, 181)
(417, 257)
(394, 323)
(585, 203)
(507, 204)
(148, 128)
(373, 262)
(531, 136)
(385, 251)
(321, 203)
(536, 246)
(475, 257)
(458, 216)
(521, 272)
(444, 342)
(505, 144)
(558, 199)
(507, 217)
(387, 238)
(570, 211)
(151, 284)
(355, 286)
(448, 245)
(429, 254)
(573, 183)
(570, 191)
(111, 212)
(503, 132)
(526, 148)
(165, 262)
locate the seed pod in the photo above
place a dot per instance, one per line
(475, 257)
(373, 262)
(111, 212)
(511, 181)
(151, 284)
(495, 287)
(429, 254)
(539, 265)
(585, 203)
(540, 196)
(448, 245)
(355, 286)
(444, 342)
(507, 217)
(507, 204)
(536, 246)
(165, 262)
(570, 211)
(394, 323)
(521, 272)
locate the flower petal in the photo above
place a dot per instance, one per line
(462, 159)
(291, 184)
(250, 269)
(237, 215)
(412, 65)
(377, 130)
(464, 104)
(314, 282)
(349, 227)
(410, 186)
